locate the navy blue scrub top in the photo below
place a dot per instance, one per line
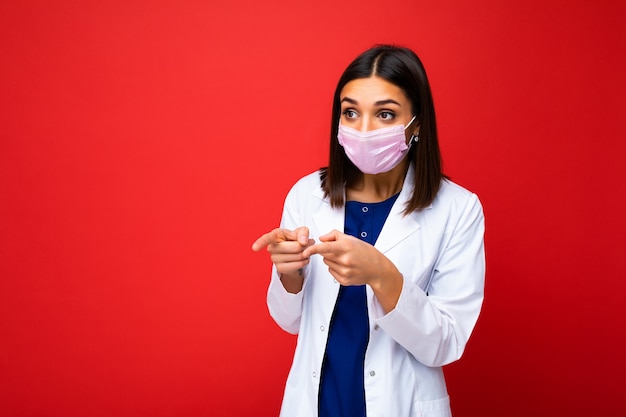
(342, 392)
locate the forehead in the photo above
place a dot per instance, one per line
(373, 89)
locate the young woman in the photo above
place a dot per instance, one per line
(378, 264)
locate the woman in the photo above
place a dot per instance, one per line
(378, 264)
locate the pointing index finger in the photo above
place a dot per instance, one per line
(275, 236)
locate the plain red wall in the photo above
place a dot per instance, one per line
(146, 144)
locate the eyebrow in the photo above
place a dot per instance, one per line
(378, 103)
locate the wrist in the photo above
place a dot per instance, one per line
(387, 288)
(292, 281)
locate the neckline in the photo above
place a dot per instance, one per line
(391, 199)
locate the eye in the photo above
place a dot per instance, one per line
(386, 115)
(349, 114)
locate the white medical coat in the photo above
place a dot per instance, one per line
(440, 253)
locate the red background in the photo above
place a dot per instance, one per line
(146, 144)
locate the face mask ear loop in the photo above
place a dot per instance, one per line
(414, 137)
(409, 124)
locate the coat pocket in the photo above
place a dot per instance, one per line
(435, 408)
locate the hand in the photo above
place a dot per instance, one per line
(286, 248)
(354, 262)
(350, 260)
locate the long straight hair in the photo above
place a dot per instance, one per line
(401, 67)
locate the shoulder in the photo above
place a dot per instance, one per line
(310, 183)
(306, 187)
(304, 198)
(450, 190)
(453, 198)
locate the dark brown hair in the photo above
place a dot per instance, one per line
(401, 67)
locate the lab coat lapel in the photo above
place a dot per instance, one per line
(326, 218)
(398, 227)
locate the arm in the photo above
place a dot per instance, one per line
(435, 327)
(289, 267)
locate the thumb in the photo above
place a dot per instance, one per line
(302, 235)
(331, 236)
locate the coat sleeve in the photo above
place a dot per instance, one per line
(434, 326)
(284, 307)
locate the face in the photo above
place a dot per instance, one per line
(373, 103)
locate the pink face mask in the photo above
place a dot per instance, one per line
(378, 150)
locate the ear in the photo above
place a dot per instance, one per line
(415, 136)
(416, 130)
(415, 133)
